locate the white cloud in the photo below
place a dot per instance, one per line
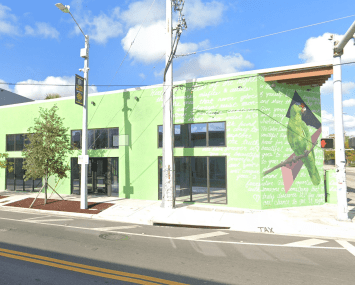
(102, 27)
(349, 103)
(208, 65)
(42, 29)
(38, 92)
(327, 118)
(149, 45)
(7, 21)
(346, 87)
(5, 86)
(142, 75)
(320, 49)
(137, 12)
(200, 14)
(349, 122)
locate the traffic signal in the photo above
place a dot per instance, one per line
(327, 143)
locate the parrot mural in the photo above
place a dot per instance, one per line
(300, 140)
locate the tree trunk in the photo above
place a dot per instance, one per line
(45, 189)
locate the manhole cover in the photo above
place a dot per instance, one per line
(110, 236)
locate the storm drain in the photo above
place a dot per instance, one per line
(190, 226)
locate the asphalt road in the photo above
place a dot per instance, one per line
(83, 251)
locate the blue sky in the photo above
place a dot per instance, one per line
(40, 44)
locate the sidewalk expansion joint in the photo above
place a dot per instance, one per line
(189, 226)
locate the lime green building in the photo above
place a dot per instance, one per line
(231, 140)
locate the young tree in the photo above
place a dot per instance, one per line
(52, 96)
(49, 144)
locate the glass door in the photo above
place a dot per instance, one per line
(98, 175)
(182, 179)
(199, 179)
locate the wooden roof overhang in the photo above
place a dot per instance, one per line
(308, 76)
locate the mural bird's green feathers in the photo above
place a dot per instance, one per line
(300, 140)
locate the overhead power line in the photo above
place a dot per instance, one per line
(134, 85)
(267, 35)
(92, 85)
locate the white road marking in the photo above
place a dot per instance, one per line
(348, 246)
(51, 220)
(114, 228)
(196, 237)
(307, 242)
(167, 237)
(40, 217)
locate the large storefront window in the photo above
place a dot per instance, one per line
(15, 180)
(198, 179)
(16, 142)
(102, 176)
(197, 135)
(97, 138)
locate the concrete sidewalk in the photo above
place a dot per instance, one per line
(313, 221)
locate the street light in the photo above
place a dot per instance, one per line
(84, 53)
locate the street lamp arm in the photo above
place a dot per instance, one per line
(348, 35)
(77, 24)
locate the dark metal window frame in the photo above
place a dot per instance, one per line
(71, 175)
(207, 135)
(108, 140)
(208, 179)
(24, 182)
(25, 138)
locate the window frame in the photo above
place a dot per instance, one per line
(208, 179)
(94, 130)
(189, 135)
(25, 137)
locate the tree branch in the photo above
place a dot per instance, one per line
(290, 160)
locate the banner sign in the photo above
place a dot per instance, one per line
(79, 90)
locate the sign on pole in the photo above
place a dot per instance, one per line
(327, 143)
(79, 90)
(83, 159)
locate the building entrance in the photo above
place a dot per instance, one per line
(102, 176)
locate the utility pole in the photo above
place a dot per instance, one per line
(339, 125)
(168, 166)
(168, 199)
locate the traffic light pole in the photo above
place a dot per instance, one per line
(339, 142)
(339, 126)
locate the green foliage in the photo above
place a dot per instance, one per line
(52, 96)
(349, 154)
(49, 144)
(329, 154)
(5, 164)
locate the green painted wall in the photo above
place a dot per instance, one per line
(239, 101)
(331, 186)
